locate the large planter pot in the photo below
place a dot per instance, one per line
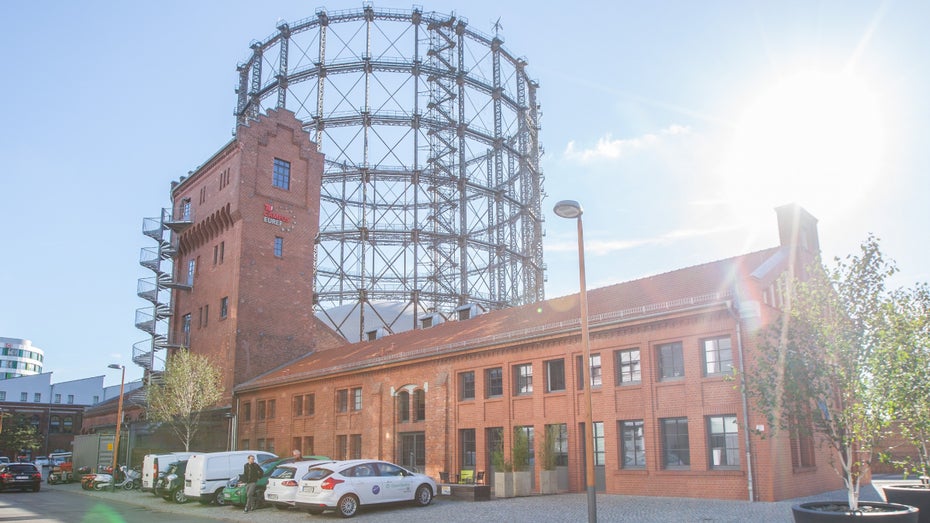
(503, 485)
(548, 482)
(913, 495)
(522, 483)
(869, 511)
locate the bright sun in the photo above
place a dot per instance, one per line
(813, 138)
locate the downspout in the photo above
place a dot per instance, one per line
(744, 401)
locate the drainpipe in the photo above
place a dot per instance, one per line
(745, 403)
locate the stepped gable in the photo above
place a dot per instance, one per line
(690, 282)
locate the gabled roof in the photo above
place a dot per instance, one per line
(698, 285)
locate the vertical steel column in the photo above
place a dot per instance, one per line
(256, 87)
(462, 170)
(282, 64)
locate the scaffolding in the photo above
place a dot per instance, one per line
(431, 190)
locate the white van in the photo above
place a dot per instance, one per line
(152, 464)
(207, 474)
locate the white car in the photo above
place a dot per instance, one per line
(41, 461)
(344, 486)
(282, 483)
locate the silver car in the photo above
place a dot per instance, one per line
(344, 486)
(283, 481)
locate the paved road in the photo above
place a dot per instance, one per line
(68, 503)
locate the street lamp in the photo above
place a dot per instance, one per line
(571, 209)
(119, 420)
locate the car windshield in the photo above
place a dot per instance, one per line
(317, 473)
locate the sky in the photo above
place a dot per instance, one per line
(678, 125)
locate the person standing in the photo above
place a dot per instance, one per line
(296, 455)
(250, 475)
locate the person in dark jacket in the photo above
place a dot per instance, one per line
(250, 476)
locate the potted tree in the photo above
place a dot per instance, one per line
(548, 477)
(520, 454)
(904, 380)
(815, 373)
(503, 475)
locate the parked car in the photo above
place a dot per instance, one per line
(24, 476)
(235, 491)
(171, 485)
(4, 459)
(41, 461)
(282, 483)
(207, 474)
(344, 486)
(152, 464)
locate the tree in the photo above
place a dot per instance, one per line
(19, 434)
(815, 371)
(191, 384)
(904, 375)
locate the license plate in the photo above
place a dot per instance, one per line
(309, 489)
(272, 496)
(227, 495)
(22, 477)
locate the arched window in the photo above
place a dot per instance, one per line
(419, 405)
(54, 424)
(403, 406)
(68, 425)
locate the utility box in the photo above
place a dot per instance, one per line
(93, 450)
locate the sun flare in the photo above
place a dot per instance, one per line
(813, 138)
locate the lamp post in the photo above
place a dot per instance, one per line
(571, 209)
(119, 420)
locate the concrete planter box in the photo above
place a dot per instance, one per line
(503, 485)
(548, 481)
(522, 483)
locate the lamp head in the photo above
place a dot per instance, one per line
(115, 366)
(568, 209)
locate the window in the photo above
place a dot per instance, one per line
(247, 412)
(802, 443)
(403, 406)
(466, 386)
(260, 411)
(675, 450)
(523, 379)
(281, 174)
(671, 361)
(342, 401)
(494, 382)
(269, 445)
(244, 444)
(24, 396)
(632, 445)
(3, 395)
(627, 366)
(298, 409)
(271, 408)
(96, 400)
(309, 404)
(222, 251)
(191, 269)
(54, 424)
(224, 307)
(355, 446)
(68, 424)
(559, 433)
(555, 375)
(718, 356)
(57, 398)
(37, 397)
(186, 209)
(261, 443)
(206, 315)
(595, 371)
(600, 452)
(216, 254)
(342, 447)
(278, 247)
(70, 399)
(419, 405)
(308, 446)
(357, 398)
(724, 442)
(186, 330)
(467, 446)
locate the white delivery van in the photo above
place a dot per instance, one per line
(152, 464)
(207, 474)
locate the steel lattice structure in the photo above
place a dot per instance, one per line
(432, 188)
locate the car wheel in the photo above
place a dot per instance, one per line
(347, 506)
(424, 495)
(220, 500)
(179, 496)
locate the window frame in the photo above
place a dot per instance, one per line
(467, 385)
(494, 382)
(281, 174)
(278, 247)
(666, 438)
(555, 382)
(675, 368)
(636, 428)
(718, 362)
(523, 379)
(628, 372)
(730, 438)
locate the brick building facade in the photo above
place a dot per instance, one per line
(667, 419)
(248, 257)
